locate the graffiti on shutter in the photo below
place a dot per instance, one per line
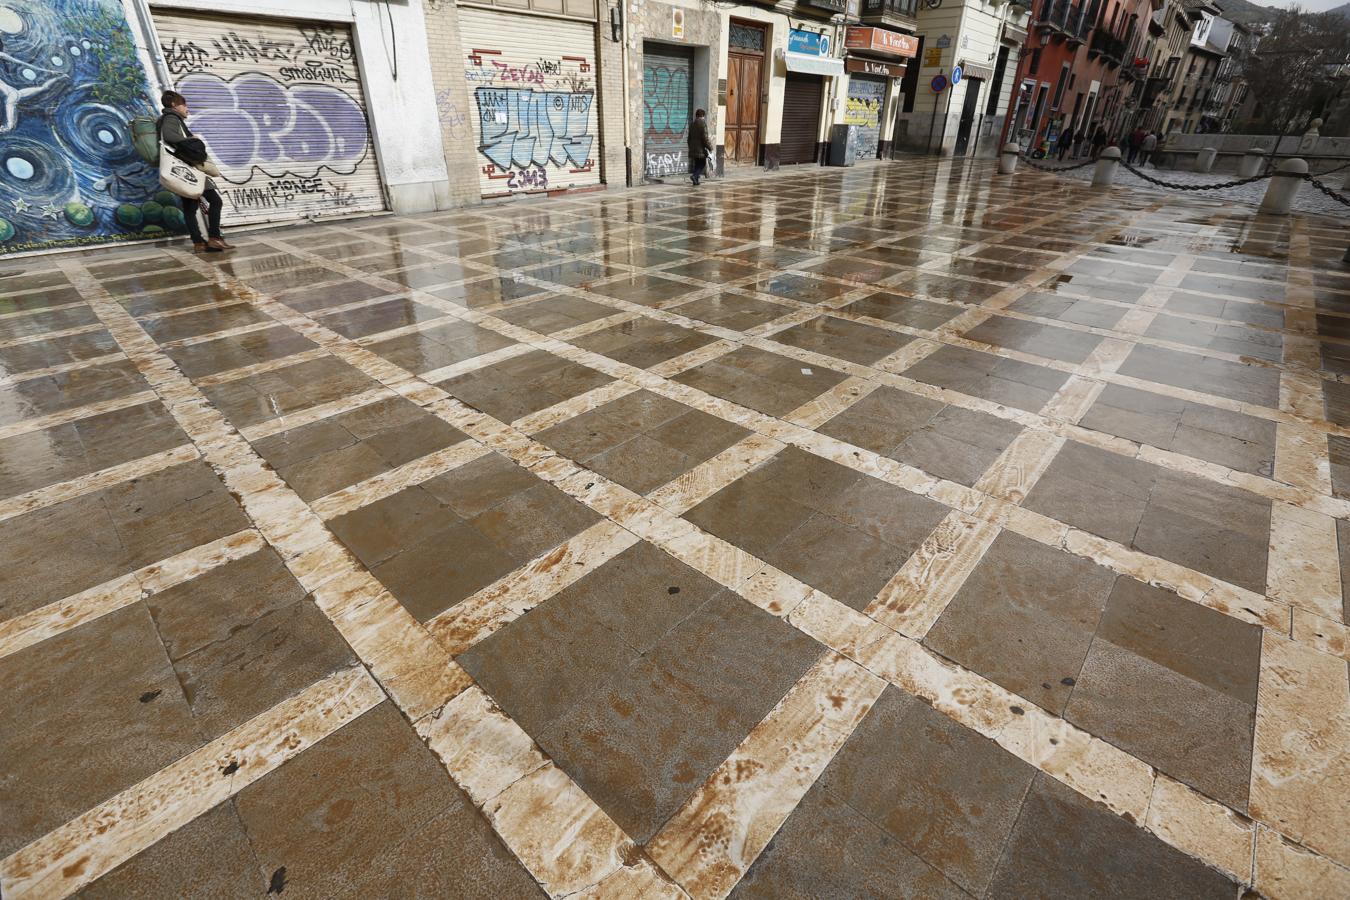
(280, 107)
(865, 99)
(534, 104)
(70, 82)
(665, 111)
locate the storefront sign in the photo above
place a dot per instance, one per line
(880, 40)
(860, 66)
(808, 42)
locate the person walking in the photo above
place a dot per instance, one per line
(180, 140)
(1146, 147)
(700, 146)
(1136, 141)
(1066, 139)
(1098, 141)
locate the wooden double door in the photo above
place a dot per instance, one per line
(745, 92)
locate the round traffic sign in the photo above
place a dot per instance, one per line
(956, 75)
(938, 84)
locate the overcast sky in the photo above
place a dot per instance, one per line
(1309, 5)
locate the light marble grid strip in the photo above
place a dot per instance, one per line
(561, 836)
(95, 481)
(61, 862)
(61, 616)
(714, 838)
(482, 361)
(37, 310)
(385, 484)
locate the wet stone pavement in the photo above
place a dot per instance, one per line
(899, 531)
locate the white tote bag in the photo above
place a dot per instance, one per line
(178, 177)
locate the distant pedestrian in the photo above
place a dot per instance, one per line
(700, 146)
(1098, 141)
(1146, 148)
(1136, 141)
(180, 140)
(1066, 139)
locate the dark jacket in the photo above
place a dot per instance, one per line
(180, 139)
(700, 144)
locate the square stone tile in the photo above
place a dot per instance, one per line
(56, 352)
(69, 390)
(1034, 338)
(902, 310)
(242, 638)
(87, 714)
(644, 740)
(1059, 830)
(828, 849)
(555, 312)
(524, 384)
(644, 289)
(238, 351)
(733, 311)
(365, 808)
(945, 793)
(442, 344)
(643, 342)
(763, 381)
(1025, 618)
(1006, 381)
(1069, 309)
(1174, 684)
(1235, 381)
(270, 395)
(945, 441)
(542, 664)
(342, 450)
(377, 317)
(841, 338)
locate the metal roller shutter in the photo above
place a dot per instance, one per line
(281, 106)
(866, 97)
(533, 86)
(667, 108)
(801, 118)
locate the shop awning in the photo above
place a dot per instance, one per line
(813, 65)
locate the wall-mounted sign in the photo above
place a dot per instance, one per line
(880, 40)
(944, 41)
(839, 6)
(938, 84)
(932, 57)
(808, 43)
(860, 66)
(677, 23)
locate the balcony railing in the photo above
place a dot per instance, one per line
(890, 12)
(1054, 16)
(1106, 45)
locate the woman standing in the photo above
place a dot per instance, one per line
(174, 131)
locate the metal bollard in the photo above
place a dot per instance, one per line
(1107, 163)
(1251, 162)
(1204, 160)
(1007, 158)
(1283, 187)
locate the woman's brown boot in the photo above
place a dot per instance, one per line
(198, 248)
(218, 244)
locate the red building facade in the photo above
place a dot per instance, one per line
(1081, 68)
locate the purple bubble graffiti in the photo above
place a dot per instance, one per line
(253, 122)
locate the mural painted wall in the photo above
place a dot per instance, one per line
(70, 82)
(534, 115)
(280, 105)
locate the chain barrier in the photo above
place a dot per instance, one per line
(1034, 165)
(1330, 171)
(1195, 187)
(1339, 198)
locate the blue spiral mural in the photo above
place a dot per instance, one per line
(70, 82)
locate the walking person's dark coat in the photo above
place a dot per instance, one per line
(174, 131)
(700, 146)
